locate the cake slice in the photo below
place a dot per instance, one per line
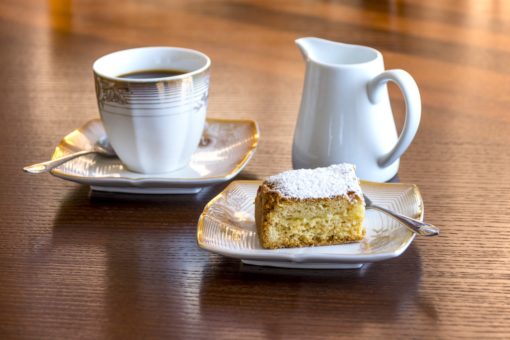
(310, 207)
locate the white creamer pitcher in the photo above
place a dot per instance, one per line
(345, 113)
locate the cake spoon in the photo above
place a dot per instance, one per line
(421, 228)
(101, 147)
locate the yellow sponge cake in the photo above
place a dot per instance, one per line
(310, 207)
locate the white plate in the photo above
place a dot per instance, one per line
(227, 147)
(227, 227)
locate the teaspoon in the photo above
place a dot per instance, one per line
(421, 228)
(101, 147)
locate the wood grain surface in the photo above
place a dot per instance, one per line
(76, 264)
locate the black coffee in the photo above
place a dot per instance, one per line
(146, 74)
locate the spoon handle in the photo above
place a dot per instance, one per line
(421, 228)
(47, 166)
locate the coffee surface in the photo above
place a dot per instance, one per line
(148, 74)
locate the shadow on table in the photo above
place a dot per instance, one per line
(130, 255)
(334, 301)
(88, 209)
(85, 208)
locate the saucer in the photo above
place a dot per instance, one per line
(226, 147)
(227, 227)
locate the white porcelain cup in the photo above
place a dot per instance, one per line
(154, 124)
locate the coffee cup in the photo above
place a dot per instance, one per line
(153, 103)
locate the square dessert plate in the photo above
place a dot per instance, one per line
(227, 227)
(226, 147)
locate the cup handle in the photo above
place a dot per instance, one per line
(406, 83)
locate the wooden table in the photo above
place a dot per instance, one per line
(75, 264)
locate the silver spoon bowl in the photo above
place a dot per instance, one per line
(101, 147)
(419, 227)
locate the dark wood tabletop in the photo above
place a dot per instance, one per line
(81, 264)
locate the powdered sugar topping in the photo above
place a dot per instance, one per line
(335, 180)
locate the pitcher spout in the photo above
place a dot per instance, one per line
(307, 46)
(333, 53)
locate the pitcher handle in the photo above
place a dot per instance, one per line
(406, 83)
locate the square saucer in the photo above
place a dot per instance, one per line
(227, 227)
(226, 147)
